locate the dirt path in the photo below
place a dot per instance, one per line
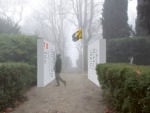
(79, 96)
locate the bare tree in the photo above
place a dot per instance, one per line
(86, 12)
(12, 9)
(11, 12)
(51, 17)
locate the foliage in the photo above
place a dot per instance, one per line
(126, 87)
(120, 50)
(15, 79)
(115, 19)
(18, 48)
(8, 26)
(143, 17)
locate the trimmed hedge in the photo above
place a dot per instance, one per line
(15, 79)
(120, 50)
(18, 48)
(126, 87)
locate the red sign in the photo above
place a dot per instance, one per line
(45, 45)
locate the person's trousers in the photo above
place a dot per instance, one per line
(59, 79)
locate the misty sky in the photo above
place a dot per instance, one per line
(132, 13)
(30, 6)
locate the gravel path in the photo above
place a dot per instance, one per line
(79, 96)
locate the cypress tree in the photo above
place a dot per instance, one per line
(115, 19)
(143, 18)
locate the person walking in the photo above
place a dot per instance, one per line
(58, 64)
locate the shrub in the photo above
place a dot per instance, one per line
(126, 87)
(15, 79)
(120, 50)
(18, 48)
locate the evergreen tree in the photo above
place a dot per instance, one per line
(143, 17)
(8, 26)
(115, 19)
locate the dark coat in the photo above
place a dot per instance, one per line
(58, 65)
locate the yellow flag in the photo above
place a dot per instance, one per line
(77, 35)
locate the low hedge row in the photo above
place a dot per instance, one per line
(18, 48)
(15, 79)
(126, 87)
(120, 50)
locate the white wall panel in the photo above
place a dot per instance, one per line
(45, 62)
(96, 55)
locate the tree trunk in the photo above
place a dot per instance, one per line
(85, 57)
(84, 52)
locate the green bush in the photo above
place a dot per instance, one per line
(18, 48)
(15, 79)
(120, 50)
(126, 87)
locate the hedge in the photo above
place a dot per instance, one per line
(120, 50)
(15, 79)
(18, 48)
(126, 87)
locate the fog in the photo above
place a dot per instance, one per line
(132, 12)
(57, 20)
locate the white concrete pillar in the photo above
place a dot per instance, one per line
(45, 62)
(96, 55)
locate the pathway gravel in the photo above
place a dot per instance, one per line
(79, 96)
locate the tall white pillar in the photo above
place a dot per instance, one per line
(45, 62)
(96, 55)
